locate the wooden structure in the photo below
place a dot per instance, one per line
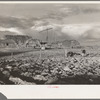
(47, 37)
(7, 43)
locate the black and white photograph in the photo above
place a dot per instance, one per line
(49, 43)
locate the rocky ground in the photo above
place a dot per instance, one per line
(52, 70)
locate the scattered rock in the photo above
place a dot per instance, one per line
(40, 78)
(6, 74)
(52, 80)
(66, 68)
(90, 74)
(18, 81)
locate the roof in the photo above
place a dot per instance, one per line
(43, 42)
(7, 41)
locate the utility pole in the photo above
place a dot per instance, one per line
(54, 36)
(47, 33)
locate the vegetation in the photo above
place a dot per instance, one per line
(31, 68)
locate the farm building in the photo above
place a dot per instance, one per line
(19, 39)
(7, 43)
(71, 43)
(45, 45)
(57, 45)
(32, 43)
(35, 43)
(66, 44)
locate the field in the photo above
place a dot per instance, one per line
(51, 67)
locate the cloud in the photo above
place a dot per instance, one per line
(15, 30)
(41, 28)
(72, 10)
(82, 31)
(94, 33)
(59, 5)
(77, 9)
(65, 10)
(90, 10)
(42, 25)
(39, 22)
(76, 30)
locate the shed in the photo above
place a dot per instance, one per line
(7, 43)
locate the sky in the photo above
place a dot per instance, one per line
(78, 21)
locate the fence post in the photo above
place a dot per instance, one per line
(12, 55)
(40, 54)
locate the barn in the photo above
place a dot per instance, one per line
(66, 44)
(71, 43)
(57, 45)
(7, 43)
(32, 43)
